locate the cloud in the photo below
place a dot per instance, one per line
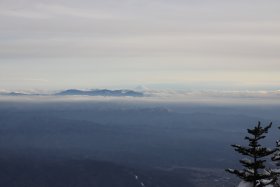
(61, 10)
(216, 98)
(35, 80)
(169, 45)
(52, 10)
(138, 42)
(24, 14)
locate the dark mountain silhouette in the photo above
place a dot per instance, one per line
(103, 92)
(163, 145)
(81, 173)
(14, 94)
(95, 92)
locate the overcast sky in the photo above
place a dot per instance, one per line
(178, 44)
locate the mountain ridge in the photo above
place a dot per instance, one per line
(73, 92)
(101, 92)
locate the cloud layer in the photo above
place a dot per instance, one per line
(130, 42)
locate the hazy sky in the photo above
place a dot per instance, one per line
(180, 44)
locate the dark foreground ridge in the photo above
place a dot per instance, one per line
(80, 173)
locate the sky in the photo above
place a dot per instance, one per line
(178, 44)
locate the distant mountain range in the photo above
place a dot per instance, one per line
(141, 91)
(95, 92)
(103, 92)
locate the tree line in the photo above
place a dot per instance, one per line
(254, 171)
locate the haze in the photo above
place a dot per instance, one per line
(217, 44)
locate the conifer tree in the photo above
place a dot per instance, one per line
(254, 170)
(276, 158)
